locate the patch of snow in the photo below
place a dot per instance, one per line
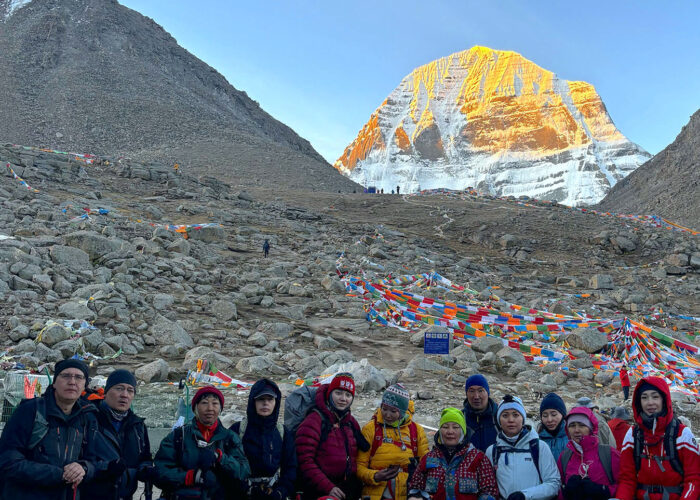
(5, 237)
(15, 5)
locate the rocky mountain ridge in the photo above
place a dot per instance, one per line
(163, 301)
(668, 185)
(492, 120)
(95, 76)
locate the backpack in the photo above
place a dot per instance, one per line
(533, 450)
(604, 455)
(670, 451)
(379, 438)
(297, 406)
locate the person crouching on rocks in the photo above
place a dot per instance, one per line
(202, 459)
(589, 470)
(123, 447)
(660, 459)
(525, 466)
(552, 429)
(327, 442)
(269, 450)
(454, 469)
(397, 444)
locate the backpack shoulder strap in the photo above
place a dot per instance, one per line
(325, 425)
(605, 456)
(670, 439)
(41, 426)
(413, 432)
(242, 427)
(378, 437)
(179, 443)
(565, 456)
(535, 452)
(638, 445)
(280, 429)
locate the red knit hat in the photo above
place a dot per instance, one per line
(343, 381)
(209, 389)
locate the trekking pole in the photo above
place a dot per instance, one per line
(148, 489)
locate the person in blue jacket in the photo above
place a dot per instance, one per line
(47, 448)
(552, 429)
(123, 447)
(480, 412)
(268, 448)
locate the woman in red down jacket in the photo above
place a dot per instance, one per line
(329, 466)
(585, 475)
(653, 412)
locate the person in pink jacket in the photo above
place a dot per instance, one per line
(583, 473)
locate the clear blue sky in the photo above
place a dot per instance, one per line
(323, 67)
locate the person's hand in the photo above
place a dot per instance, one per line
(386, 474)
(337, 493)
(518, 495)
(207, 459)
(594, 490)
(115, 468)
(146, 473)
(73, 473)
(207, 479)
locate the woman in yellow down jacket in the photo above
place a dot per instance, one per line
(397, 445)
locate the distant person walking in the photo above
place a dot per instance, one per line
(398, 189)
(266, 247)
(625, 381)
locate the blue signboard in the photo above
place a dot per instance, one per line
(437, 341)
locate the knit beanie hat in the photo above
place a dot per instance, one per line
(586, 402)
(621, 413)
(71, 363)
(343, 381)
(580, 418)
(209, 389)
(478, 380)
(120, 377)
(511, 403)
(552, 401)
(397, 397)
(646, 386)
(454, 415)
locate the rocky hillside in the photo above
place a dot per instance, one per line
(668, 185)
(95, 76)
(161, 301)
(493, 120)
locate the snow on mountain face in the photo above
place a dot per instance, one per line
(8, 7)
(495, 121)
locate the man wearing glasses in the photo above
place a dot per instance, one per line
(123, 447)
(47, 447)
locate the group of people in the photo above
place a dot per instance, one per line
(64, 445)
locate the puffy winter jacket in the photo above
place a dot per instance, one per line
(624, 378)
(556, 442)
(585, 462)
(686, 487)
(483, 423)
(267, 451)
(37, 472)
(516, 470)
(468, 475)
(173, 465)
(389, 453)
(130, 443)
(619, 429)
(325, 464)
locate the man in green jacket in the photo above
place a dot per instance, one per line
(202, 459)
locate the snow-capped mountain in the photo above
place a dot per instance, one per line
(495, 121)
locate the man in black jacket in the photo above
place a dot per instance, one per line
(123, 447)
(47, 448)
(268, 448)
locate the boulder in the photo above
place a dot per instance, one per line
(220, 361)
(162, 301)
(76, 310)
(94, 244)
(73, 258)
(170, 332)
(601, 282)
(367, 377)
(587, 339)
(259, 365)
(209, 234)
(54, 334)
(257, 339)
(510, 356)
(487, 344)
(224, 310)
(155, 371)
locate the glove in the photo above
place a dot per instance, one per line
(594, 491)
(206, 479)
(516, 496)
(572, 488)
(207, 459)
(115, 468)
(146, 473)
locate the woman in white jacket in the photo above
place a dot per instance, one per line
(525, 466)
